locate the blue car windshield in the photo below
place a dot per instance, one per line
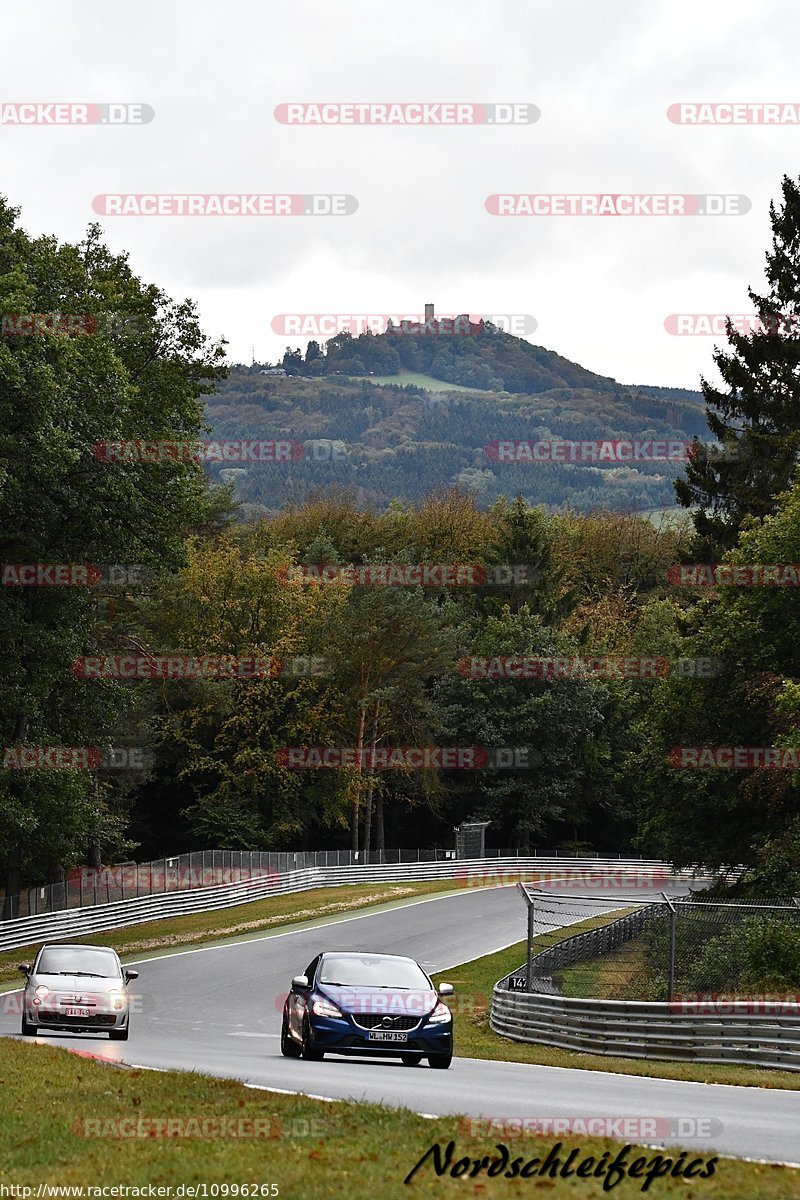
(78, 960)
(372, 971)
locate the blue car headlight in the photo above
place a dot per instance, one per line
(439, 1015)
(322, 1007)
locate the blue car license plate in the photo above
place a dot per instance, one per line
(386, 1035)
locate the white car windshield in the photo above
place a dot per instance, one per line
(78, 960)
(373, 971)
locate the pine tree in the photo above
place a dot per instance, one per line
(755, 419)
(524, 544)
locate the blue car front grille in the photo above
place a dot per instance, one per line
(374, 1020)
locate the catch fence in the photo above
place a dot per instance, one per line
(675, 948)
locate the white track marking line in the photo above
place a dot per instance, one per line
(769, 1162)
(255, 1035)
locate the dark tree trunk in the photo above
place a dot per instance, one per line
(380, 843)
(13, 880)
(354, 814)
(55, 872)
(368, 822)
(371, 787)
(13, 883)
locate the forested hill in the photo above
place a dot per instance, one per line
(469, 354)
(394, 417)
(474, 354)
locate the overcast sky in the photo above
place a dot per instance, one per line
(602, 73)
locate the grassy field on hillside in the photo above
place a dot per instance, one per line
(419, 380)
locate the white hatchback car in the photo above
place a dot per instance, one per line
(77, 988)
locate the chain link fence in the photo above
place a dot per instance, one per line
(688, 950)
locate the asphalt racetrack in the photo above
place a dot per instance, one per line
(217, 1009)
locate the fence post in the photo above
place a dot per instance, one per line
(673, 918)
(529, 960)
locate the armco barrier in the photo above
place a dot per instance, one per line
(644, 1029)
(66, 923)
(85, 887)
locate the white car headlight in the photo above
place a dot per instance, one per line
(40, 992)
(325, 1008)
(117, 1000)
(439, 1015)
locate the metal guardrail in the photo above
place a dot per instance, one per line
(649, 1029)
(66, 923)
(759, 1033)
(85, 887)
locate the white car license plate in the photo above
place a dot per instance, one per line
(386, 1035)
(78, 1012)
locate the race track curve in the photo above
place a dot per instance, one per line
(217, 1009)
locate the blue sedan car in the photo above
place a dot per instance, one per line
(377, 1005)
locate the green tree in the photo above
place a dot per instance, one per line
(523, 544)
(755, 417)
(389, 643)
(552, 719)
(139, 375)
(731, 816)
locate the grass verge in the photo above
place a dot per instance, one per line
(253, 917)
(307, 1148)
(473, 982)
(606, 977)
